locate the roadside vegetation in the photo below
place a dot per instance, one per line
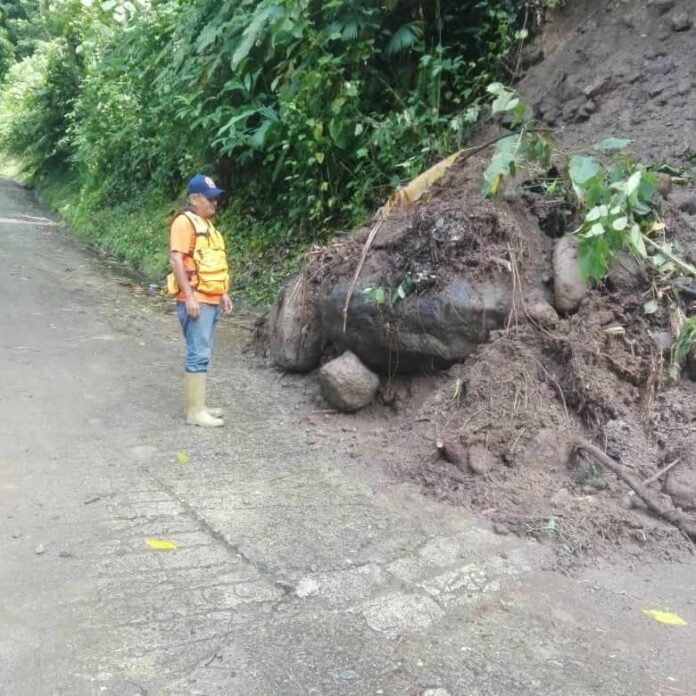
(308, 113)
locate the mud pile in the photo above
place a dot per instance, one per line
(465, 286)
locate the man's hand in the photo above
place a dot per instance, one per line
(192, 307)
(227, 304)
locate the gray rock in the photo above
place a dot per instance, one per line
(663, 184)
(662, 6)
(347, 384)
(481, 461)
(626, 272)
(423, 332)
(40, 549)
(543, 313)
(681, 22)
(348, 675)
(569, 286)
(295, 340)
(562, 498)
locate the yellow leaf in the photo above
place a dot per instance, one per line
(405, 195)
(665, 617)
(182, 457)
(160, 544)
(656, 227)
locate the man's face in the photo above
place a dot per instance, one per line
(205, 206)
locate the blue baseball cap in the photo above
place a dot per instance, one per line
(204, 185)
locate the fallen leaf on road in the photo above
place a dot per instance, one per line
(182, 457)
(160, 544)
(665, 617)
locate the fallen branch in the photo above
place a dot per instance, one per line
(657, 474)
(686, 267)
(671, 515)
(663, 470)
(363, 256)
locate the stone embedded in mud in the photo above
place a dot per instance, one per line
(420, 333)
(481, 460)
(347, 384)
(569, 286)
(295, 337)
(681, 22)
(543, 313)
(662, 6)
(626, 272)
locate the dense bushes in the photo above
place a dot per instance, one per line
(309, 111)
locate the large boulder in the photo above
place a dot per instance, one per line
(347, 384)
(422, 332)
(295, 339)
(569, 286)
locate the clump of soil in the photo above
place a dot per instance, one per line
(510, 413)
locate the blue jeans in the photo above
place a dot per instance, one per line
(199, 335)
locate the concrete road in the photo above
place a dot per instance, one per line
(291, 570)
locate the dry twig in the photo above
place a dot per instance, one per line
(363, 256)
(671, 515)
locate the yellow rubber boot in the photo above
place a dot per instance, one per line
(194, 389)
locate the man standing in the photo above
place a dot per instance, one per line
(200, 281)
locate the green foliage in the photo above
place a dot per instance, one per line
(614, 198)
(682, 347)
(617, 205)
(309, 113)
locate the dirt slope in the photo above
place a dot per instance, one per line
(620, 68)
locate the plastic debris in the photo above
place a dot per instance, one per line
(665, 617)
(160, 544)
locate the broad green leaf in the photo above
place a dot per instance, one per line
(647, 186)
(633, 183)
(582, 169)
(250, 35)
(597, 212)
(636, 241)
(596, 230)
(620, 224)
(609, 144)
(338, 132)
(377, 295)
(651, 306)
(593, 255)
(502, 165)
